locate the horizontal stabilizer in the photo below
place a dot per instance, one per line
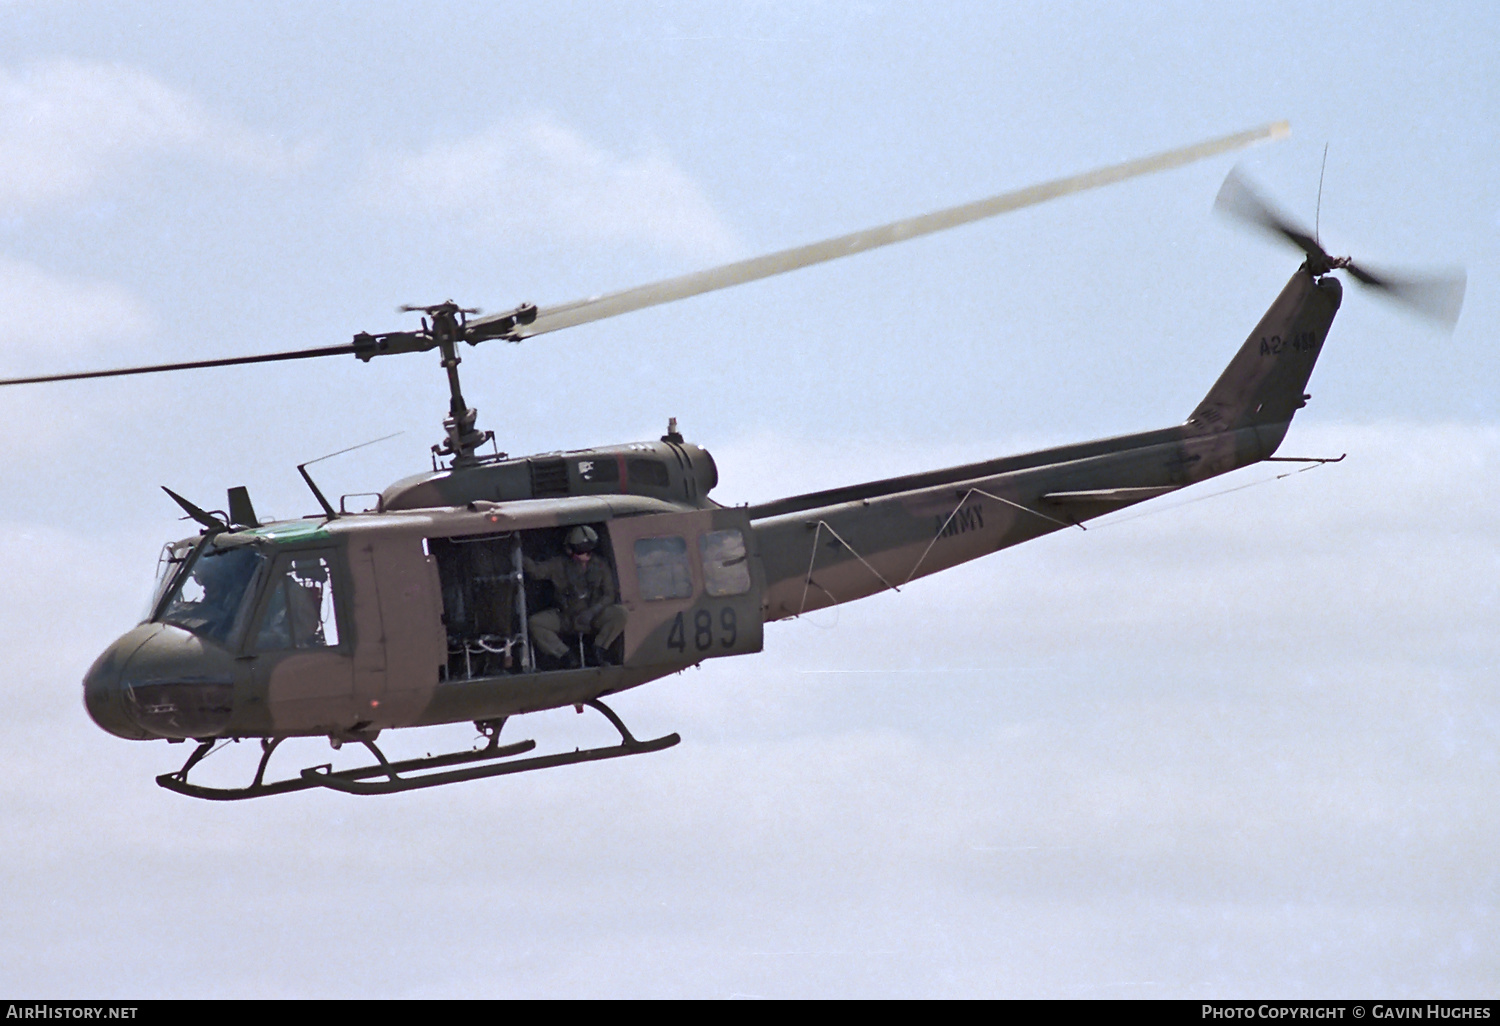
(1108, 496)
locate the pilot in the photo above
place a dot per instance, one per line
(587, 602)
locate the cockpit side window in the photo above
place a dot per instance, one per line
(300, 610)
(211, 597)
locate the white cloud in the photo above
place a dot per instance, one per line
(536, 175)
(65, 125)
(53, 324)
(42, 314)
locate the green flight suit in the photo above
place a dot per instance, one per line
(587, 602)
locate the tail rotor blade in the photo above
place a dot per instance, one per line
(1439, 297)
(1238, 200)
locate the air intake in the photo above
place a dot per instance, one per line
(549, 478)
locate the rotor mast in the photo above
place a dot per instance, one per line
(449, 324)
(444, 325)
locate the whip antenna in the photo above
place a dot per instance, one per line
(1318, 212)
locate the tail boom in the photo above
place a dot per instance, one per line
(842, 544)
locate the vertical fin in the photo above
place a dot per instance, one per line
(1264, 383)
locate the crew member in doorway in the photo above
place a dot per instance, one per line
(588, 604)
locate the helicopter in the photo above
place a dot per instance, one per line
(448, 601)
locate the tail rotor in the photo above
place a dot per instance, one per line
(1438, 297)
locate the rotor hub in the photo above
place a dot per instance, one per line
(444, 325)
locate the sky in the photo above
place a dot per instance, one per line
(1241, 741)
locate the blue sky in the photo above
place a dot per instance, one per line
(1238, 746)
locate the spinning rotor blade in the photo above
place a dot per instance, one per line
(597, 308)
(526, 321)
(299, 354)
(1438, 297)
(1237, 199)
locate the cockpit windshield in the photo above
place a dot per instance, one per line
(212, 597)
(173, 555)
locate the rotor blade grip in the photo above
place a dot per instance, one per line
(599, 307)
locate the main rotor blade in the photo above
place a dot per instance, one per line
(613, 304)
(158, 368)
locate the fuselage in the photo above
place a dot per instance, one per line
(353, 624)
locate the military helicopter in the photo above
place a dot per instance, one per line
(450, 601)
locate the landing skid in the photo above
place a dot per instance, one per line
(357, 781)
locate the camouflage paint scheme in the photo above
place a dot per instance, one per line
(803, 553)
(874, 536)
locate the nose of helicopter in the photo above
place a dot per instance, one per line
(102, 689)
(159, 681)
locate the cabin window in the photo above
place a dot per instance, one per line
(300, 611)
(726, 568)
(661, 568)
